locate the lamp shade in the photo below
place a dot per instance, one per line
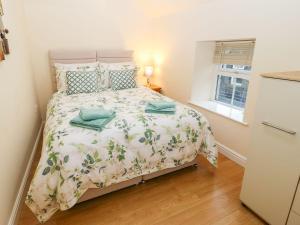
(148, 71)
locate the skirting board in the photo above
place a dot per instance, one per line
(231, 154)
(14, 212)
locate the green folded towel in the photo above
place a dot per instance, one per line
(97, 124)
(158, 105)
(151, 109)
(160, 112)
(95, 113)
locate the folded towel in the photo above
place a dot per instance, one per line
(160, 112)
(151, 109)
(95, 113)
(97, 124)
(158, 105)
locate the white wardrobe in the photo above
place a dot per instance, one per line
(273, 165)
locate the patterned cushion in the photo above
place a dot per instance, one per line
(61, 71)
(105, 68)
(104, 76)
(122, 79)
(82, 82)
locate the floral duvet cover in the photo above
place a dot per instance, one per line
(133, 144)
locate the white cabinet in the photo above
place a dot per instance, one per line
(273, 164)
(294, 219)
(296, 204)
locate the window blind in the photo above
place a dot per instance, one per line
(234, 52)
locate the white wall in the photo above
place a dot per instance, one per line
(203, 79)
(171, 27)
(20, 117)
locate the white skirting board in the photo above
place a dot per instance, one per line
(231, 154)
(13, 215)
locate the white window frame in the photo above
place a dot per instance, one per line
(230, 73)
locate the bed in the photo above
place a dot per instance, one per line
(78, 164)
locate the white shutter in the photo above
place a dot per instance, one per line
(234, 52)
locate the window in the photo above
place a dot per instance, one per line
(233, 65)
(232, 85)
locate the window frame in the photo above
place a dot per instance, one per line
(233, 73)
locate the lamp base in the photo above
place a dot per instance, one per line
(148, 83)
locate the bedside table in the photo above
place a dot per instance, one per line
(154, 88)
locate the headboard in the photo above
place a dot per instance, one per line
(86, 56)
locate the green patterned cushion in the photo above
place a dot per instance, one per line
(82, 82)
(122, 79)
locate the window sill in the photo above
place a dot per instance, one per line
(226, 111)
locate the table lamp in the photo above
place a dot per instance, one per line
(148, 72)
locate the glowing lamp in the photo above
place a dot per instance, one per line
(148, 72)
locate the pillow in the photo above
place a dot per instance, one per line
(105, 68)
(81, 82)
(122, 79)
(61, 70)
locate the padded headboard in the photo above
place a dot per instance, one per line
(86, 56)
(114, 56)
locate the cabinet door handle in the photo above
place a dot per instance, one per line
(291, 132)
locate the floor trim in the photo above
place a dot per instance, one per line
(18, 200)
(231, 154)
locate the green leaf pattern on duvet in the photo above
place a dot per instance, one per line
(133, 144)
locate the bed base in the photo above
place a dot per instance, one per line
(96, 192)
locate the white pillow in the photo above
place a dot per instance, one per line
(105, 68)
(61, 72)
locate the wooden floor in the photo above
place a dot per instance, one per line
(190, 196)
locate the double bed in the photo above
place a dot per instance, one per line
(78, 164)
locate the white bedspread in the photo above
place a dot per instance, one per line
(133, 144)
